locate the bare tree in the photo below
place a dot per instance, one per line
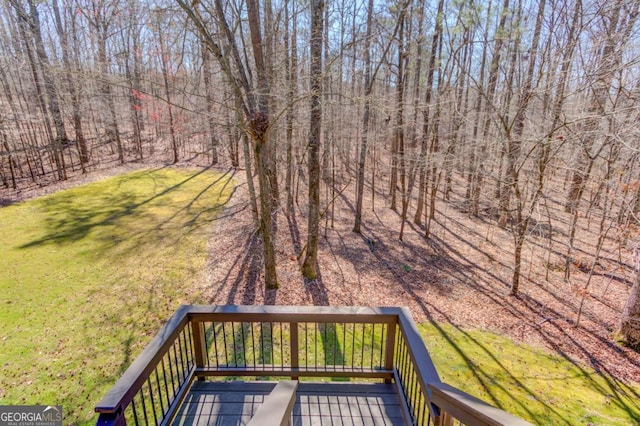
(309, 268)
(253, 103)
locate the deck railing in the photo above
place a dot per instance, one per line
(276, 341)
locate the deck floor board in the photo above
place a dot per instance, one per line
(234, 403)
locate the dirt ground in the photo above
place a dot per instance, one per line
(460, 275)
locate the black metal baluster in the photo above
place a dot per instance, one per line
(166, 387)
(190, 345)
(224, 338)
(344, 345)
(234, 343)
(173, 382)
(281, 346)
(144, 408)
(273, 351)
(159, 391)
(325, 343)
(206, 342)
(253, 344)
(373, 336)
(353, 345)
(334, 337)
(180, 367)
(182, 341)
(215, 342)
(383, 340)
(412, 390)
(188, 355)
(306, 346)
(262, 351)
(403, 362)
(153, 404)
(315, 340)
(135, 412)
(244, 346)
(176, 364)
(363, 345)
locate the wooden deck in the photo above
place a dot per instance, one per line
(234, 403)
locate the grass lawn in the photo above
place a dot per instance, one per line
(89, 274)
(542, 388)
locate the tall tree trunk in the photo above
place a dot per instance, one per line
(494, 68)
(514, 147)
(133, 77)
(309, 265)
(254, 107)
(112, 130)
(291, 70)
(268, 58)
(71, 87)
(164, 58)
(426, 125)
(370, 76)
(473, 189)
(399, 127)
(259, 125)
(208, 88)
(364, 137)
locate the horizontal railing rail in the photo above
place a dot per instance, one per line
(277, 341)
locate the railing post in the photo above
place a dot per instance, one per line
(111, 419)
(295, 348)
(199, 347)
(390, 346)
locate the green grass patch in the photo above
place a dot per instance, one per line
(542, 388)
(89, 275)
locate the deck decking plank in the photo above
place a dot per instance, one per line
(233, 404)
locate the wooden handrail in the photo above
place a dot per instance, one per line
(298, 314)
(277, 407)
(468, 409)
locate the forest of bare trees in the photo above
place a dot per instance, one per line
(499, 108)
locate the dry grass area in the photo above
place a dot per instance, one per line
(460, 275)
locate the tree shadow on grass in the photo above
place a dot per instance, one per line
(482, 377)
(248, 265)
(110, 319)
(451, 263)
(69, 221)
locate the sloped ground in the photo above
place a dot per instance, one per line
(460, 275)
